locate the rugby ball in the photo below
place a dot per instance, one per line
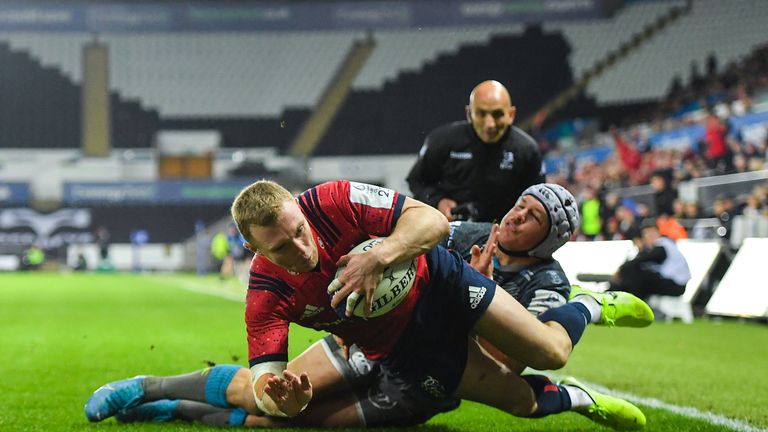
(394, 286)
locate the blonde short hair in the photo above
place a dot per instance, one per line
(259, 204)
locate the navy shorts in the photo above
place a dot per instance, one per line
(417, 379)
(382, 398)
(432, 352)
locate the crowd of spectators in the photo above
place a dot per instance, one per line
(709, 100)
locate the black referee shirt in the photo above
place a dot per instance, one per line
(454, 163)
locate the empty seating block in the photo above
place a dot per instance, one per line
(204, 74)
(729, 30)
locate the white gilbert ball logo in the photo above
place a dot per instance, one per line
(394, 286)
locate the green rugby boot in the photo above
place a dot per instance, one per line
(608, 410)
(618, 308)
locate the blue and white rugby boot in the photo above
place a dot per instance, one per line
(159, 411)
(116, 396)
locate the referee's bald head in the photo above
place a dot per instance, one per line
(490, 111)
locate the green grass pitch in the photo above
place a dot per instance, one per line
(63, 335)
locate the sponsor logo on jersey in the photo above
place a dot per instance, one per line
(476, 294)
(370, 195)
(555, 277)
(507, 161)
(461, 155)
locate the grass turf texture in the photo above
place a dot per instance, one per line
(63, 335)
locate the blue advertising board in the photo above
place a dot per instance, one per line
(163, 192)
(14, 193)
(556, 164)
(750, 127)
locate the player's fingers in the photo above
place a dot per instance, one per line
(305, 384)
(490, 250)
(334, 286)
(272, 390)
(475, 251)
(352, 299)
(342, 261)
(340, 295)
(293, 384)
(494, 234)
(368, 302)
(290, 376)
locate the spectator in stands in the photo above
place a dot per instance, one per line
(691, 210)
(659, 268)
(675, 88)
(608, 212)
(669, 226)
(697, 80)
(711, 65)
(752, 207)
(739, 163)
(486, 161)
(611, 229)
(663, 195)
(628, 152)
(627, 222)
(590, 214)
(761, 192)
(678, 209)
(716, 153)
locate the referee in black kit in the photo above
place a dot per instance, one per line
(475, 170)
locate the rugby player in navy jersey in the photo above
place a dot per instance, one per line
(427, 360)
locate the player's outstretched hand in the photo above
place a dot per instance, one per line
(482, 260)
(291, 393)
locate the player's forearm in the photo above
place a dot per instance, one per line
(419, 229)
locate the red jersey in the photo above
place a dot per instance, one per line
(341, 214)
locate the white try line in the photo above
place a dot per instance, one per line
(684, 411)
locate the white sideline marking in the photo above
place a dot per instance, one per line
(213, 289)
(684, 411)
